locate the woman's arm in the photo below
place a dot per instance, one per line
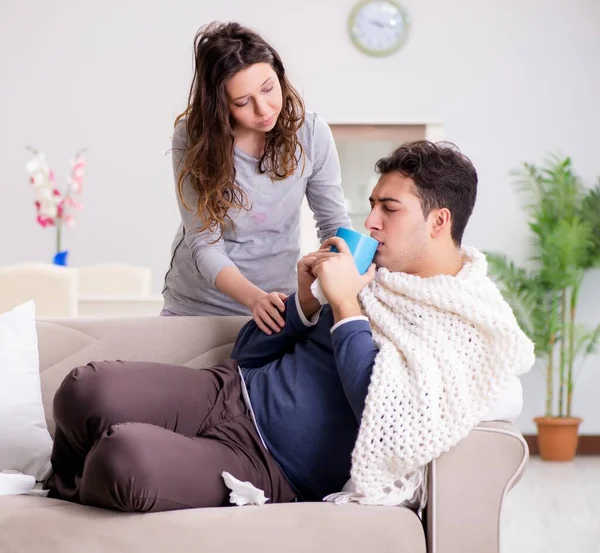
(266, 307)
(232, 282)
(324, 188)
(210, 257)
(208, 251)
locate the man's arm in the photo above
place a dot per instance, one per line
(354, 352)
(353, 346)
(253, 348)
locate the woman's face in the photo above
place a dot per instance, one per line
(254, 95)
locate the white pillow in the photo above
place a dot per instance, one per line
(25, 443)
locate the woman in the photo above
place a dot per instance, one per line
(245, 153)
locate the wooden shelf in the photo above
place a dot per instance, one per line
(395, 133)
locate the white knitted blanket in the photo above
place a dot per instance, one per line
(447, 346)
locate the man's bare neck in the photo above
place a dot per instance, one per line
(449, 263)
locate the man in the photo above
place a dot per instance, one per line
(397, 368)
(308, 383)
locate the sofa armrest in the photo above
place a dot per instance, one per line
(467, 486)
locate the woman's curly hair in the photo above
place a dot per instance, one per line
(221, 50)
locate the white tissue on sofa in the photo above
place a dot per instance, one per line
(13, 482)
(243, 493)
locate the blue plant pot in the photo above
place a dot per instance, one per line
(61, 258)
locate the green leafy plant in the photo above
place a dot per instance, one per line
(565, 225)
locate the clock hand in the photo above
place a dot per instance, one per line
(377, 23)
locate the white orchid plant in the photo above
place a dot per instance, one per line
(55, 208)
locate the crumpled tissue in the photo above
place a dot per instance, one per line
(243, 493)
(13, 482)
(317, 292)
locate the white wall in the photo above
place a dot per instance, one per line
(511, 80)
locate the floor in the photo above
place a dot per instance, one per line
(555, 508)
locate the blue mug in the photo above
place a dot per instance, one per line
(361, 246)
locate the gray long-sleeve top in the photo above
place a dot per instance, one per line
(265, 244)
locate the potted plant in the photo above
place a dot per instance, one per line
(565, 223)
(55, 208)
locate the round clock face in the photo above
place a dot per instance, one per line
(378, 27)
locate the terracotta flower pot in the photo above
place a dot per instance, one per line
(558, 437)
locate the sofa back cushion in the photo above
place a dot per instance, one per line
(68, 343)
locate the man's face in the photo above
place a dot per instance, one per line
(397, 222)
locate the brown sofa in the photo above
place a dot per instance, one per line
(466, 485)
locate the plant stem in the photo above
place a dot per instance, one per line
(563, 352)
(554, 314)
(550, 377)
(58, 234)
(570, 382)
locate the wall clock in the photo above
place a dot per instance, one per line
(378, 27)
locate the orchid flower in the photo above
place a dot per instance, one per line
(52, 206)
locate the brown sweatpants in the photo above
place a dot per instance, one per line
(137, 436)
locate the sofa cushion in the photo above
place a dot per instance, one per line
(68, 343)
(31, 524)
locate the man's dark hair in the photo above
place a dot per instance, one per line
(443, 178)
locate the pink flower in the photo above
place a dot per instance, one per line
(52, 207)
(44, 221)
(69, 221)
(73, 202)
(49, 210)
(77, 175)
